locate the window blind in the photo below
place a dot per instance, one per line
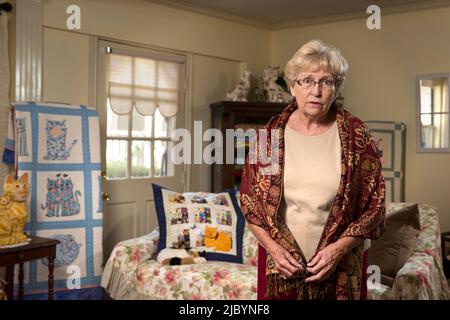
(143, 83)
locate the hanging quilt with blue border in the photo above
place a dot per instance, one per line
(59, 147)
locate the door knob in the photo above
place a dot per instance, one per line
(105, 196)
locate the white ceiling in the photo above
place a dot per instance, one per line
(278, 13)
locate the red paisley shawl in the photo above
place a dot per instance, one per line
(358, 209)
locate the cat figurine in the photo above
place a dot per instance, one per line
(22, 137)
(240, 92)
(14, 210)
(220, 240)
(273, 91)
(56, 140)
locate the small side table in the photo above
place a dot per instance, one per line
(37, 248)
(445, 238)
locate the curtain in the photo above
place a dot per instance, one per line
(144, 84)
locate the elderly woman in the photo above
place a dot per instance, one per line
(326, 194)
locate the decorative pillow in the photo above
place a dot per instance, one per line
(206, 221)
(398, 242)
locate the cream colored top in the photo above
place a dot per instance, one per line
(311, 179)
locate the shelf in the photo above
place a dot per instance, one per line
(238, 115)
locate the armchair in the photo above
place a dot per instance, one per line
(421, 276)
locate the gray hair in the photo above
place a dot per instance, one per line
(316, 53)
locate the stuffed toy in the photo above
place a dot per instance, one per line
(220, 240)
(174, 257)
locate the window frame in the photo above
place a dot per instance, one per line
(148, 53)
(419, 113)
(130, 139)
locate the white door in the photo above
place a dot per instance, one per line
(136, 147)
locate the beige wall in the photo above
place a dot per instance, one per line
(65, 67)
(210, 76)
(381, 83)
(149, 23)
(141, 22)
(220, 50)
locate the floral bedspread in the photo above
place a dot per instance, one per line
(132, 272)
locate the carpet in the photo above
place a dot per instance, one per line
(97, 293)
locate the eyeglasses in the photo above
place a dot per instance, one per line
(308, 83)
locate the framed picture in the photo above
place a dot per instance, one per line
(390, 137)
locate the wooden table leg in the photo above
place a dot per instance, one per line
(50, 278)
(21, 281)
(51, 260)
(9, 290)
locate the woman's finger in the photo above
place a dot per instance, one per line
(315, 259)
(292, 260)
(285, 272)
(288, 265)
(318, 267)
(316, 277)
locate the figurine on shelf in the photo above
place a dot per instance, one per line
(240, 92)
(274, 92)
(258, 95)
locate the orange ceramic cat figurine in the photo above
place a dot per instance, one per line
(14, 210)
(220, 240)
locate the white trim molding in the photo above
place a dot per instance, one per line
(386, 9)
(28, 80)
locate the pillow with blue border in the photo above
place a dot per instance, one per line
(210, 222)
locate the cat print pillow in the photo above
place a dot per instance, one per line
(205, 221)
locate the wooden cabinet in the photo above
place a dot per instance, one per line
(234, 115)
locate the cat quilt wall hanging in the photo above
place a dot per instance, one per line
(58, 147)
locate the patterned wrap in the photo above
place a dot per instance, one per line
(358, 209)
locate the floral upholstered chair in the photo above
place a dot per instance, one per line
(421, 276)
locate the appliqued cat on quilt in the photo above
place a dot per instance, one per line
(56, 131)
(61, 199)
(22, 137)
(14, 210)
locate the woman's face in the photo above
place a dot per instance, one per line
(316, 100)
